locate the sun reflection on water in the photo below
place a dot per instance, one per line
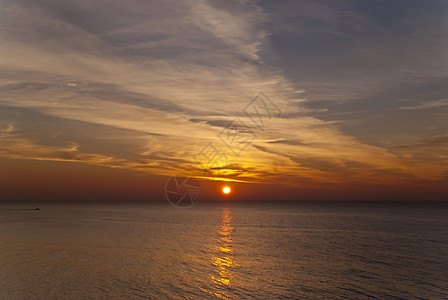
(222, 258)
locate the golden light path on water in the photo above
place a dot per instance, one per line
(222, 258)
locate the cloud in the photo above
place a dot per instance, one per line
(433, 141)
(147, 85)
(12, 146)
(427, 105)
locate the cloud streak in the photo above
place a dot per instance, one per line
(157, 81)
(427, 105)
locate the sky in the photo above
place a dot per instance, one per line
(108, 99)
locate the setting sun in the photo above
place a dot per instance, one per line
(226, 190)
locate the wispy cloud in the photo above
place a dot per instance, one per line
(427, 105)
(147, 85)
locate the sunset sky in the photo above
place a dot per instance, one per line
(108, 99)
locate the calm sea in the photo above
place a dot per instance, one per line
(224, 251)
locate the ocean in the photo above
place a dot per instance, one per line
(251, 250)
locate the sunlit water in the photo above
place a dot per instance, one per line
(223, 251)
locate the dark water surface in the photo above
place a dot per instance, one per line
(224, 251)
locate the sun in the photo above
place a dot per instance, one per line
(226, 190)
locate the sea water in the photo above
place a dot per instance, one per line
(253, 250)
